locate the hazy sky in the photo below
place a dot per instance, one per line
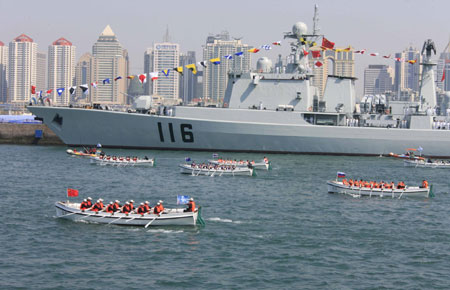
(379, 26)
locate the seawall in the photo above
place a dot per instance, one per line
(25, 134)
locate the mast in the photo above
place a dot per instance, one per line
(316, 27)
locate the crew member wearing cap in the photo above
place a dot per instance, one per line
(89, 202)
(116, 206)
(110, 207)
(126, 208)
(83, 205)
(141, 209)
(100, 201)
(98, 206)
(159, 208)
(190, 206)
(131, 205)
(146, 206)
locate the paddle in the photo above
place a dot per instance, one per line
(134, 217)
(153, 219)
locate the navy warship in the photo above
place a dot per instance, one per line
(268, 112)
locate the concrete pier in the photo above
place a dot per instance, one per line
(26, 134)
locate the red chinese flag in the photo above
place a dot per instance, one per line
(318, 64)
(33, 90)
(72, 192)
(49, 91)
(327, 44)
(443, 76)
(315, 53)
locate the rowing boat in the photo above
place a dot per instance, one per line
(256, 165)
(79, 153)
(409, 191)
(170, 217)
(194, 170)
(122, 161)
(423, 163)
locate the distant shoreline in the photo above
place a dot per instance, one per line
(28, 134)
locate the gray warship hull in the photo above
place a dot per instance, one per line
(238, 130)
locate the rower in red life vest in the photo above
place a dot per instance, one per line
(141, 209)
(89, 202)
(83, 205)
(98, 206)
(110, 207)
(424, 184)
(131, 205)
(190, 206)
(147, 206)
(116, 205)
(159, 208)
(126, 208)
(101, 202)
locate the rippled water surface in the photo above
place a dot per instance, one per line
(280, 229)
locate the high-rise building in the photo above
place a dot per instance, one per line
(110, 60)
(21, 69)
(188, 81)
(215, 77)
(337, 63)
(41, 71)
(407, 74)
(148, 68)
(61, 69)
(443, 69)
(378, 79)
(83, 72)
(164, 56)
(3, 72)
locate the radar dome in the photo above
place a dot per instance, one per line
(299, 29)
(264, 65)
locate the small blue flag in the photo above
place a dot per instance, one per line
(182, 199)
(99, 145)
(229, 56)
(340, 174)
(106, 81)
(215, 155)
(187, 159)
(117, 78)
(240, 53)
(420, 149)
(60, 91)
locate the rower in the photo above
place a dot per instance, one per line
(141, 209)
(89, 202)
(110, 207)
(191, 206)
(126, 208)
(101, 202)
(159, 208)
(131, 205)
(424, 184)
(83, 205)
(147, 206)
(116, 205)
(98, 206)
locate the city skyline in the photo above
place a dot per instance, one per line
(401, 26)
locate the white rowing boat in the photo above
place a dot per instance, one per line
(194, 170)
(170, 217)
(79, 153)
(409, 191)
(122, 161)
(256, 165)
(423, 163)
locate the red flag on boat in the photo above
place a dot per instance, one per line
(72, 192)
(33, 90)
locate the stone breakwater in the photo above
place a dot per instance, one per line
(28, 134)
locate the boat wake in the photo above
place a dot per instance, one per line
(218, 219)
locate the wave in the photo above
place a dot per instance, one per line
(164, 231)
(218, 219)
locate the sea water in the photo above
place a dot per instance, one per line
(280, 229)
